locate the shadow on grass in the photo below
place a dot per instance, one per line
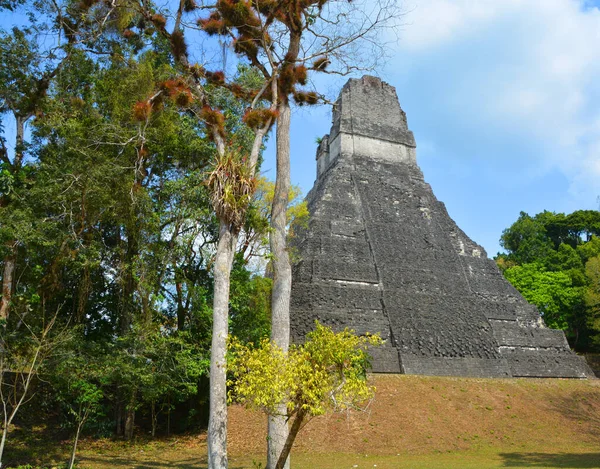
(130, 463)
(33, 447)
(560, 460)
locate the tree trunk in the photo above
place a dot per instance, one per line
(181, 312)
(129, 424)
(19, 142)
(169, 417)
(129, 284)
(119, 419)
(79, 427)
(10, 259)
(146, 305)
(282, 274)
(154, 417)
(289, 442)
(130, 419)
(4, 435)
(217, 421)
(83, 295)
(8, 279)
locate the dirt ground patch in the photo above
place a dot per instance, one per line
(412, 414)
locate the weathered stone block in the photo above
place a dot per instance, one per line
(426, 281)
(351, 271)
(348, 228)
(320, 297)
(385, 359)
(470, 367)
(363, 321)
(545, 363)
(346, 250)
(511, 334)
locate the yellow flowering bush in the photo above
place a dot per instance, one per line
(326, 373)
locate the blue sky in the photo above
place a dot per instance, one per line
(504, 100)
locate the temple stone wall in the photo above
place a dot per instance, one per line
(382, 255)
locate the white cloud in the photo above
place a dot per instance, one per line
(430, 23)
(526, 67)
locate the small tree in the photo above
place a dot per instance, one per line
(75, 379)
(152, 367)
(87, 399)
(326, 373)
(22, 353)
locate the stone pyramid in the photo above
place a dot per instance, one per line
(381, 254)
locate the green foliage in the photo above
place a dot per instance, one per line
(154, 365)
(552, 292)
(297, 212)
(76, 374)
(526, 240)
(76, 370)
(548, 260)
(250, 303)
(256, 229)
(592, 298)
(7, 181)
(589, 249)
(20, 56)
(147, 368)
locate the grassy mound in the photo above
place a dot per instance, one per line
(427, 414)
(415, 422)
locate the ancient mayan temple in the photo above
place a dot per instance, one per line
(381, 254)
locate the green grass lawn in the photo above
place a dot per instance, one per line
(470, 459)
(455, 460)
(189, 453)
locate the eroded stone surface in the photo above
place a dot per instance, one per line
(382, 255)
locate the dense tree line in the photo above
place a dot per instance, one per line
(553, 259)
(107, 231)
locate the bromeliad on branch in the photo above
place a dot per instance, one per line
(232, 184)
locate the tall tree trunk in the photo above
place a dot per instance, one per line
(129, 424)
(228, 237)
(9, 260)
(8, 279)
(129, 283)
(146, 304)
(19, 142)
(83, 294)
(217, 421)
(282, 274)
(119, 419)
(154, 417)
(289, 442)
(130, 420)
(181, 310)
